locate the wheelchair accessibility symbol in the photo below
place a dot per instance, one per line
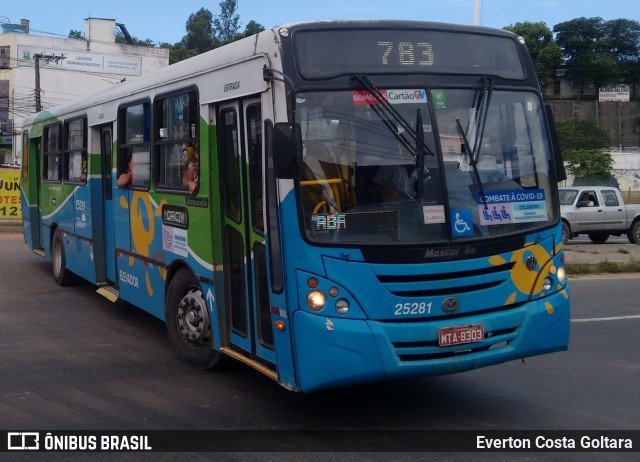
(461, 222)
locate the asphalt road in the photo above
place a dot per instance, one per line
(71, 360)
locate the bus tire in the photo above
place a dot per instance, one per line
(566, 233)
(61, 274)
(598, 238)
(188, 323)
(634, 233)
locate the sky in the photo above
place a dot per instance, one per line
(164, 20)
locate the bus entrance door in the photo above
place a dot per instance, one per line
(246, 293)
(108, 257)
(36, 222)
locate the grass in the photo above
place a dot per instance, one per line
(603, 267)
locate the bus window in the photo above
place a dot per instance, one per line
(254, 143)
(229, 151)
(133, 148)
(75, 153)
(176, 125)
(51, 154)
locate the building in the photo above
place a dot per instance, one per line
(63, 69)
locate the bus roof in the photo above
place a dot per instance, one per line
(261, 43)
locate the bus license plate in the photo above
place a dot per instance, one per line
(457, 335)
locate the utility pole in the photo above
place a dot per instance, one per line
(47, 59)
(36, 57)
(476, 13)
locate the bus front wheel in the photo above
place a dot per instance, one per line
(188, 322)
(59, 261)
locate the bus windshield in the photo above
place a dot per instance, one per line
(482, 168)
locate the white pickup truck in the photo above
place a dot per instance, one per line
(598, 211)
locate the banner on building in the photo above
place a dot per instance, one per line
(614, 93)
(10, 194)
(81, 61)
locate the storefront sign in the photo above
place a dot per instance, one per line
(82, 61)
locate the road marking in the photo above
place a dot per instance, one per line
(612, 318)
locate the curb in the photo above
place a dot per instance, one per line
(10, 226)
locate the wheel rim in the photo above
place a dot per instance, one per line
(193, 319)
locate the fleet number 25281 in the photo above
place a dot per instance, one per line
(412, 308)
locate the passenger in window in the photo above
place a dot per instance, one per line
(192, 174)
(392, 183)
(83, 175)
(125, 178)
(586, 197)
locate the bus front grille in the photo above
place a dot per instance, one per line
(447, 283)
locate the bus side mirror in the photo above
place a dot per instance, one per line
(558, 162)
(287, 146)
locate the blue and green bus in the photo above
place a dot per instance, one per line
(330, 203)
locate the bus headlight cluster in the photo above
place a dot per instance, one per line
(316, 299)
(559, 272)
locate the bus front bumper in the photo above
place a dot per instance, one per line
(335, 351)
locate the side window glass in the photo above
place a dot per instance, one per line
(610, 198)
(231, 162)
(133, 146)
(75, 153)
(254, 144)
(176, 148)
(51, 153)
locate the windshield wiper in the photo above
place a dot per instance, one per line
(391, 111)
(481, 111)
(420, 153)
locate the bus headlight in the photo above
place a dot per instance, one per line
(316, 300)
(562, 274)
(547, 283)
(342, 306)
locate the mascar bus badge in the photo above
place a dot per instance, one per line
(450, 304)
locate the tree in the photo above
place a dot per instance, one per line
(76, 34)
(590, 166)
(252, 28)
(120, 38)
(227, 23)
(545, 52)
(622, 38)
(582, 144)
(178, 52)
(586, 51)
(581, 134)
(200, 31)
(205, 32)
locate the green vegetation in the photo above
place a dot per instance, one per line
(605, 266)
(205, 31)
(545, 52)
(582, 143)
